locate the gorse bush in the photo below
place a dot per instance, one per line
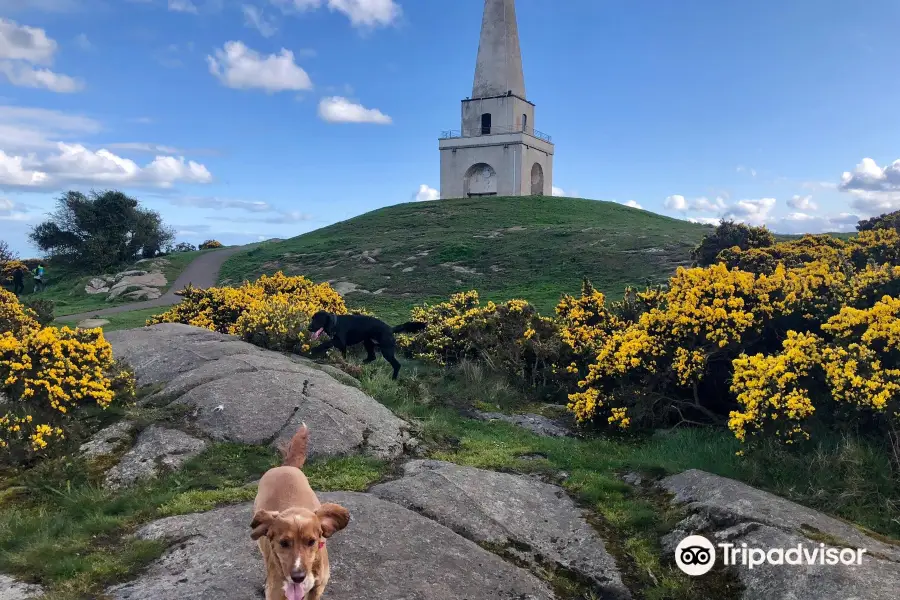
(47, 376)
(851, 373)
(42, 309)
(210, 244)
(886, 221)
(271, 312)
(731, 235)
(512, 337)
(9, 267)
(774, 341)
(15, 318)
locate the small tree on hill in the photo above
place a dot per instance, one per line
(180, 247)
(6, 253)
(728, 235)
(101, 230)
(889, 220)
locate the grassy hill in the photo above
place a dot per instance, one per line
(535, 248)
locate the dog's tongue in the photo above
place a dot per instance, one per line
(294, 591)
(315, 336)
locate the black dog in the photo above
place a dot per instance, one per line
(348, 330)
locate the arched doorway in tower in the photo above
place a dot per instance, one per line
(537, 180)
(481, 180)
(486, 124)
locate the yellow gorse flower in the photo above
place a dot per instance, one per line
(49, 373)
(271, 312)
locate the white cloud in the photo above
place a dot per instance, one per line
(145, 147)
(557, 191)
(705, 220)
(704, 204)
(870, 177)
(874, 189)
(12, 211)
(367, 13)
(21, 48)
(22, 75)
(802, 203)
(633, 204)
(845, 220)
(157, 149)
(276, 216)
(799, 222)
(24, 129)
(239, 67)
(336, 109)
(676, 202)
(14, 171)
(73, 163)
(297, 5)
(254, 18)
(362, 13)
(426, 193)
(21, 42)
(753, 212)
(743, 169)
(184, 6)
(217, 203)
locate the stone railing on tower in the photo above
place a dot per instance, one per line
(478, 132)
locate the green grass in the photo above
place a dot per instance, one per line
(532, 247)
(59, 528)
(65, 285)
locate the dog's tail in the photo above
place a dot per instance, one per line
(410, 327)
(295, 456)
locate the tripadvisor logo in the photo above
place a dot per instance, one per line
(696, 555)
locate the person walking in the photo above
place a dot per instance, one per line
(18, 282)
(39, 278)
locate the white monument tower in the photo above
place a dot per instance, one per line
(498, 152)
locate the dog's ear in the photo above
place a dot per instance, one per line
(261, 522)
(333, 518)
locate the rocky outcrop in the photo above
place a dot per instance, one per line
(237, 392)
(108, 441)
(729, 512)
(156, 450)
(537, 424)
(387, 551)
(91, 323)
(134, 284)
(532, 521)
(10, 589)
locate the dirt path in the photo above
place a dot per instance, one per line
(202, 272)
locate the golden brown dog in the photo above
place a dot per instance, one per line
(291, 526)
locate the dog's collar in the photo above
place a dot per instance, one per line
(321, 544)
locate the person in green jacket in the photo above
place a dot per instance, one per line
(39, 278)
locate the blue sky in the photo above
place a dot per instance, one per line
(249, 119)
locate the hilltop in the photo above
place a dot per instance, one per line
(535, 248)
